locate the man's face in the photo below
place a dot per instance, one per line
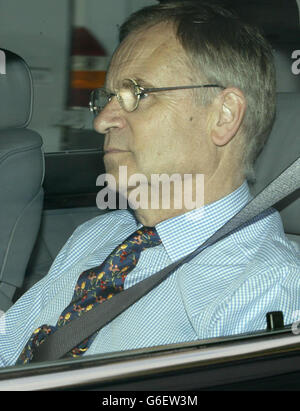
(168, 131)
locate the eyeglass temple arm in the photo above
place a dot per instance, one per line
(153, 90)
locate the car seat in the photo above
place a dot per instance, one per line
(21, 176)
(281, 149)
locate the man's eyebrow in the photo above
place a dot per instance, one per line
(140, 81)
(143, 83)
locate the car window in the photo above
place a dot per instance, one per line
(68, 45)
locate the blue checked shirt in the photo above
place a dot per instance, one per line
(225, 290)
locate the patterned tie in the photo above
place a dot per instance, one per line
(95, 286)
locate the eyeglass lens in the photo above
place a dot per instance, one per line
(126, 95)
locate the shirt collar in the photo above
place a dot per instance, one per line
(182, 234)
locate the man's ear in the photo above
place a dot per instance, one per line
(229, 111)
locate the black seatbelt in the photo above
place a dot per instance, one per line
(65, 338)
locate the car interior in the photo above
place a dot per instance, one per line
(45, 196)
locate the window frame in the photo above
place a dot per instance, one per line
(153, 367)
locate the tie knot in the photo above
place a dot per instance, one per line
(144, 237)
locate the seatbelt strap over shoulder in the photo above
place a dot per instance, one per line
(64, 339)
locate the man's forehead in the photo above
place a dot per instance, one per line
(146, 55)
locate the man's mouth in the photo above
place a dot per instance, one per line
(114, 150)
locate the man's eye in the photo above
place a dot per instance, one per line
(143, 95)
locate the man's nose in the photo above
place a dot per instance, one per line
(111, 116)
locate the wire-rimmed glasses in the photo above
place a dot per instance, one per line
(130, 94)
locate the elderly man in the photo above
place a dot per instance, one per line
(189, 91)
